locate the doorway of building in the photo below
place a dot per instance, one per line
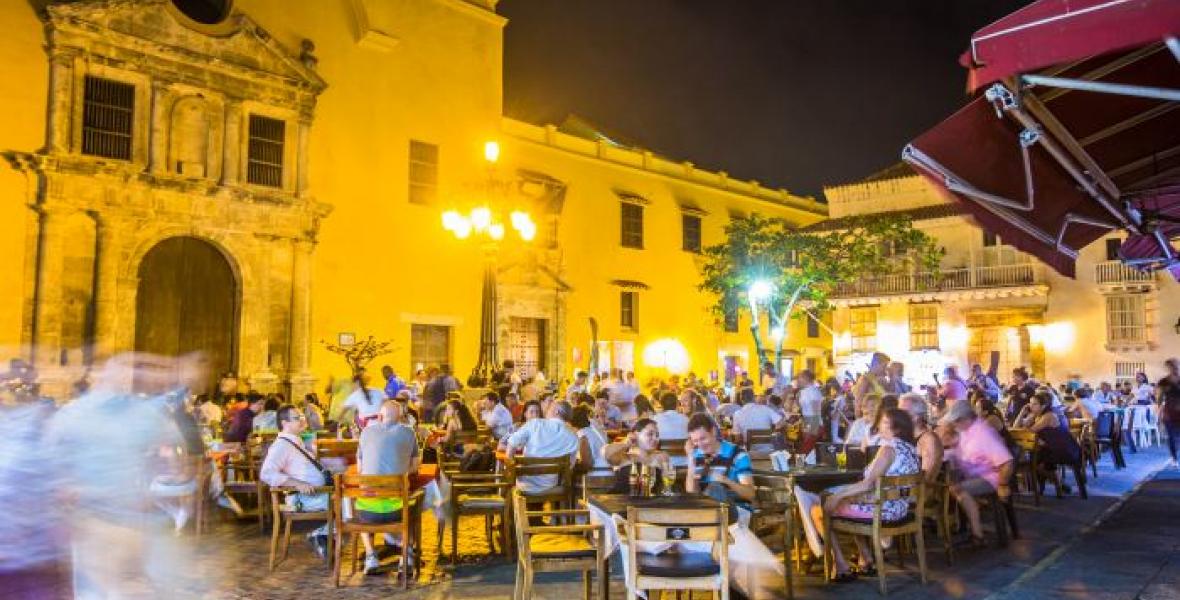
(187, 301)
(526, 337)
(1012, 343)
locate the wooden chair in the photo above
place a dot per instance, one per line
(1028, 460)
(597, 482)
(282, 519)
(940, 506)
(674, 448)
(553, 548)
(912, 489)
(764, 440)
(477, 494)
(333, 448)
(349, 488)
(774, 506)
(1082, 431)
(203, 471)
(560, 467)
(239, 477)
(678, 570)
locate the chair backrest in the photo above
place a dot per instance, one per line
(761, 437)
(336, 449)
(1104, 424)
(1026, 439)
(353, 486)
(597, 482)
(672, 447)
(527, 466)
(773, 492)
(678, 524)
(911, 488)
(478, 436)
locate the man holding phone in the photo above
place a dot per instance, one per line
(725, 471)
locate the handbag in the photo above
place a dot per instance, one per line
(327, 475)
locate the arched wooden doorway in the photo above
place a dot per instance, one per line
(187, 301)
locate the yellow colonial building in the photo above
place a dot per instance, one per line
(1105, 325)
(251, 178)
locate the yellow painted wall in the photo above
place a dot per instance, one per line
(430, 70)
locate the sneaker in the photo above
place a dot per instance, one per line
(319, 543)
(372, 563)
(226, 501)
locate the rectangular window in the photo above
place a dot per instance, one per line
(691, 233)
(108, 110)
(813, 366)
(812, 327)
(990, 239)
(629, 310)
(730, 320)
(264, 158)
(423, 172)
(1112, 248)
(632, 225)
(1126, 319)
(1124, 372)
(864, 329)
(923, 327)
(430, 346)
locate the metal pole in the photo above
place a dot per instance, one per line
(488, 344)
(1103, 87)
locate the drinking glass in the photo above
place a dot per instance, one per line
(842, 459)
(669, 481)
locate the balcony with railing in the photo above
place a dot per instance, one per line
(965, 278)
(1115, 273)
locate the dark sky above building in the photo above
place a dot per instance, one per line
(794, 93)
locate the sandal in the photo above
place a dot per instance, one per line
(846, 577)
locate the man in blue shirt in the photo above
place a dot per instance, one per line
(717, 468)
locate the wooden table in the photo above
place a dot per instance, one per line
(617, 503)
(817, 478)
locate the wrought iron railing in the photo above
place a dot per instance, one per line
(949, 279)
(1113, 271)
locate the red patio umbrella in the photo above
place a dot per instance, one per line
(1075, 130)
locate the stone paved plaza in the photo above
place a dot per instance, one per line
(1132, 552)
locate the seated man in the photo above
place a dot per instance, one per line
(495, 415)
(387, 447)
(757, 415)
(289, 464)
(673, 424)
(241, 425)
(982, 460)
(718, 468)
(551, 436)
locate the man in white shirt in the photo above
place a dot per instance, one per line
(288, 464)
(756, 415)
(1104, 395)
(671, 424)
(577, 387)
(548, 437)
(811, 402)
(495, 415)
(622, 395)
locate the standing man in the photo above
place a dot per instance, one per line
(954, 388)
(874, 381)
(1168, 392)
(985, 381)
(897, 384)
(811, 402)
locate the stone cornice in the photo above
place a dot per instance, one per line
(1039, 290)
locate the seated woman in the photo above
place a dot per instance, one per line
(643, 407)
(640, 448)
(986, 409)
(860, 430)
(590, 440)
(897, 456)
(456, 418)
(1057, 445)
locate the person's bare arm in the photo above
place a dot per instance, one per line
(878, 468)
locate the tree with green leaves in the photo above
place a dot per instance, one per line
(766, 267)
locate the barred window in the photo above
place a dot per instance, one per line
(108, 110)
(632, 225)
(923, 327)
(264, 158)
(1124, 372)
(423, 172)
(864, 329)
(629, 310)
(1126, 319)
(691, 233)
(430, 346)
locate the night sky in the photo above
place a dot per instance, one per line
(794, 93)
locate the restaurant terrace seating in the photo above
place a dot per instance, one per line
(348, 488)
(911, 488)
(696, 569)
(552, 548)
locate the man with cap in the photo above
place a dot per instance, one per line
(981, 458)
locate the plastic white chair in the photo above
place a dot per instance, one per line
(1143, 427)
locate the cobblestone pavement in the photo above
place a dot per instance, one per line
(231, 561)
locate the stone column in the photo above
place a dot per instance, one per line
(299, 364)
(158, 129)
(231, 148)
(106, 296)
(301, 158)
(61, 102)
(47, 310)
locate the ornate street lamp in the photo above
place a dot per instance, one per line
(486, 223)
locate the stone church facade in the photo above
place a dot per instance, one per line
(251, 178)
